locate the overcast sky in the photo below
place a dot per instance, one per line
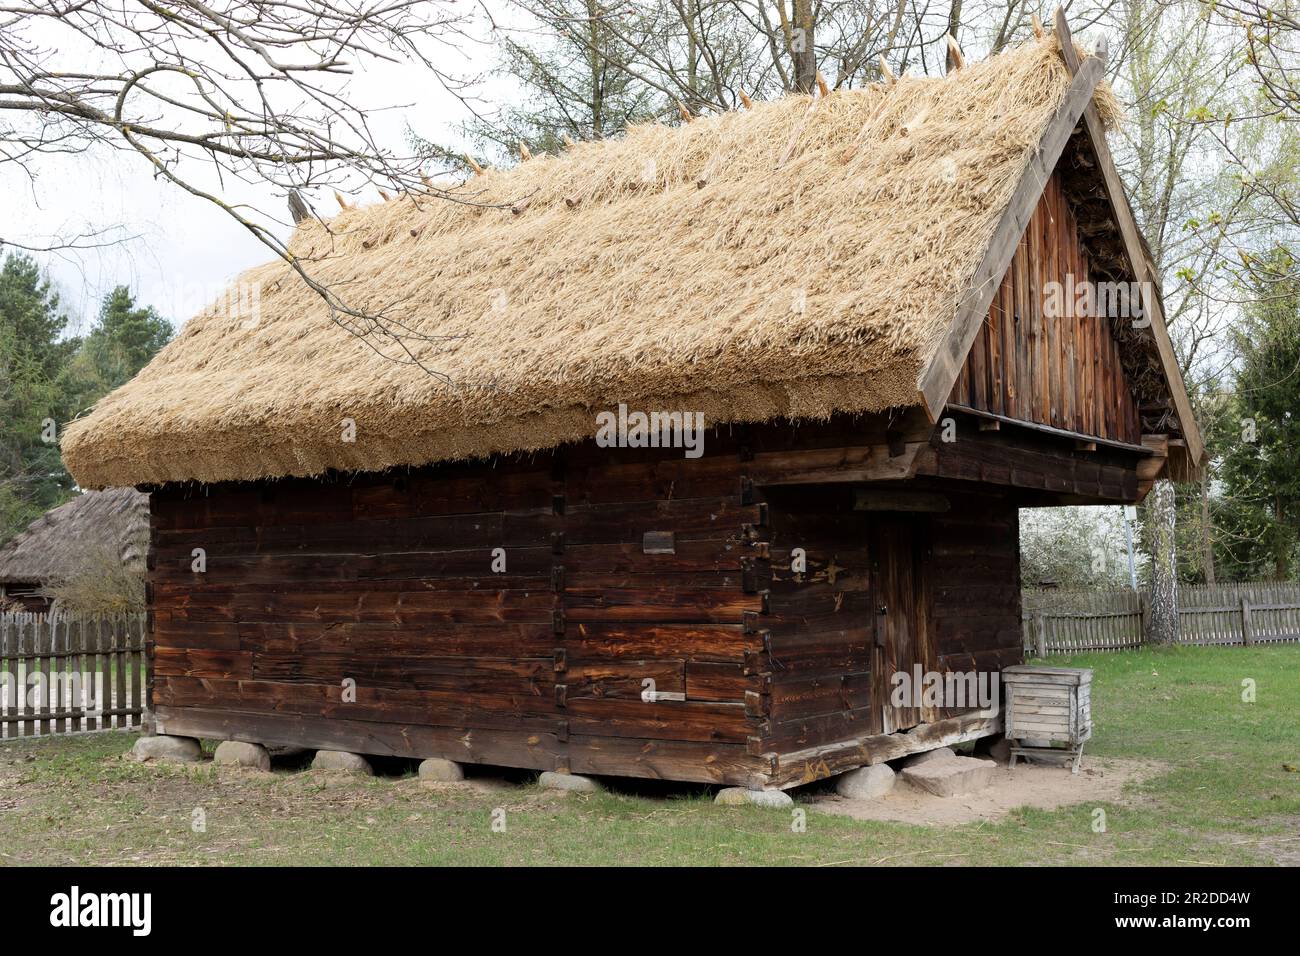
(177, 251)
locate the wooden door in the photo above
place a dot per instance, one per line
(901, 627)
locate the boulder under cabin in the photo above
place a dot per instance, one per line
(406, 486)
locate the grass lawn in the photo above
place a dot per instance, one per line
(1227, 793)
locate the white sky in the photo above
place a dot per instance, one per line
(180, 251)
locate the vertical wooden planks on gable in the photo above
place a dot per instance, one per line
(1011, 387)
(1045, 269)
(979, 368)
(961, 390)
(993, 332)
(1063, 370)
(1067, 245)
(1088, 338)
(1032, 291)
(1054, 324)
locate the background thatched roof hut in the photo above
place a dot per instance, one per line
(98, 538)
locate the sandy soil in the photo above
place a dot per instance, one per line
(1038, 785)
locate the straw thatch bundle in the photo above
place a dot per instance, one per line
(794, 260)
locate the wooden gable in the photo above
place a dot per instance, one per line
(1073, 173)
(1049, 366)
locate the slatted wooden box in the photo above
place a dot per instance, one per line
(1047, 709)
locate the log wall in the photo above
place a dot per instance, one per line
(389, 582)
(647, 622)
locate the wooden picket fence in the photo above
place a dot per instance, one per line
(62, 673)
(1072, 622)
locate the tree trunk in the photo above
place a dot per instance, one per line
(1164, 565)
(595, 65)
(801, 47)
(1207, 538)
(1281, 543)
(954, 25)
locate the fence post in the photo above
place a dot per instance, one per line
(1144, 608)
(1247, 638)
(1040, 633)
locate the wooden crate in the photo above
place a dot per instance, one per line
(1047, 709)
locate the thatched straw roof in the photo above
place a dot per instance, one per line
(759, 264)
(56, 544)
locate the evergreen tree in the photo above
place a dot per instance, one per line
(47, 378)
(1261, 509)
(33, 354)
(125, 337)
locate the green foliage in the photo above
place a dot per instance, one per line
(122, 342)
(1074, 548)
(33, 353)
(1260, 511)
(48, 377)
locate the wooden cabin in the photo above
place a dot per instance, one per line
(385, 522)
(79, 537)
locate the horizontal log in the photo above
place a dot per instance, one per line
(661, 719)
(699, 642)
(817, 763)
(523, 710)
(458, 567)
(659, 605)
(373, 607)
(805, 732)
(469, 640)
(794, 699)
(718, 681)
(659, 759)
(721, 552)
(848, 463)
(622, 678)
(820, 613)
(811, 652)
(596, 524)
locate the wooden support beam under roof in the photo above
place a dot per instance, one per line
(1149, 469)
(991, 421)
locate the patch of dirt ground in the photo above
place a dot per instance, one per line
(1039, 785)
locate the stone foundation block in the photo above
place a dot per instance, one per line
(164, 749)
(237, 753)
(341, 760)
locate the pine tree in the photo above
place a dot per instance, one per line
(33, 353)
(1261, 509)
(124, 339)
(47, 378)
